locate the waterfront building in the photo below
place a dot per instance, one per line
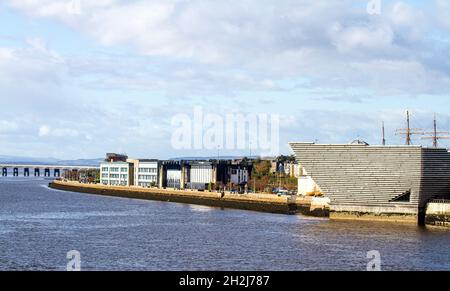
(172, 174)
(201, 175)
(215, 174)
(382, 180)
(292, 169)
(117, 173)
(176, 174)
(145, 172)
(239, 175)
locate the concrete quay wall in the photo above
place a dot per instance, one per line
(255, 202)
(387, 213)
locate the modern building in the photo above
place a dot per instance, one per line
(177, 174)
(383, 180)
(239, 175)
(291, 169)
(202, 175)
(117, 173)
(172, 174)
(145, 172)
(214, 174)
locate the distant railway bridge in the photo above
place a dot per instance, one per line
(40, 170)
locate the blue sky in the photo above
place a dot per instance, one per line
(111, 75)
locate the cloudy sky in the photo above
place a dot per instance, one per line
(78, 78)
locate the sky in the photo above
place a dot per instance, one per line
(82, 78)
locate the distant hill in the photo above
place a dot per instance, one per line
(48, 161)
(80, 162)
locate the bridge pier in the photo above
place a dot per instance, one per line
(57, 171)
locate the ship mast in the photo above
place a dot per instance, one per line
(408, 129)
(436, 135)
(408, 132)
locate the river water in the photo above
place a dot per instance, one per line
(38, 226)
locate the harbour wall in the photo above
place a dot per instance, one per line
(387, 213)
(255, 202)
(438, 213)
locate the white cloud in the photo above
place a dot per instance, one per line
(34, 63)
(366, 38)
(443, 11)
(8, 126)
(410, 21)
(193, 51)
(44, 130)
(245, 44)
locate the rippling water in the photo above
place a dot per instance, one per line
(38, 226)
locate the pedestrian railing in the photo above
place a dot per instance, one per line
(440, 201)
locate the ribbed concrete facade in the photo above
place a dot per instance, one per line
(370, 179)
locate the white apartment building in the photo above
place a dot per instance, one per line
(292, 170)
(145, 172)
(238, 175)
(116, 173)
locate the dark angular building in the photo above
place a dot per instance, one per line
(380, 180)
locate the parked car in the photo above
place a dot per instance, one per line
(279, 190)
(283, 192)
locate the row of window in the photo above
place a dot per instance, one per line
(152, 178)
(153, 170)
(117, 176)
(236, 171)
(115, 169)
(148, 170)
(114, 183)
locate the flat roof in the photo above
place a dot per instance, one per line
(115, 163)
(362, 145)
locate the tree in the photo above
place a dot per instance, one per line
(261, 169)
(260, 175)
